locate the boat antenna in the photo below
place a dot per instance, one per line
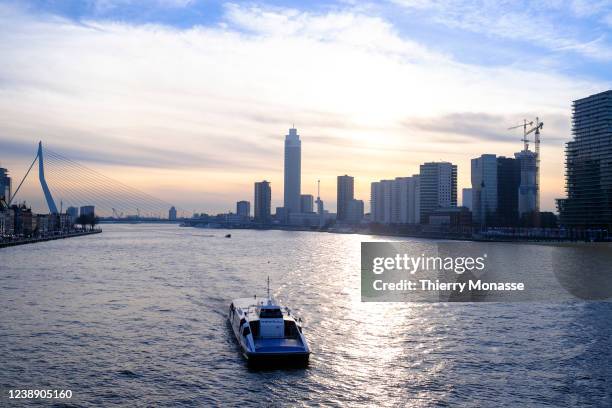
(268, 286)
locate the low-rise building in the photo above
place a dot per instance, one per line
(451, 216)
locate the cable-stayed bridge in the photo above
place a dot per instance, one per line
(68, 183)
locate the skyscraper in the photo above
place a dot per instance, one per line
(405, 200)
(484, 189)
(588, 165)
(381, 197)
(508, 182)
(243, 209)
(395, 201)
(263, 200)
(306, 203)
(345, 194)
(528, 188)
(438, 187)
(5, 185)
(293, 168)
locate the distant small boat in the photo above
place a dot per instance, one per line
(228, 235)
(267, 332)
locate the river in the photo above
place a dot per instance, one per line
(136, 316)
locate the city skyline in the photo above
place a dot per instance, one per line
(204, 130)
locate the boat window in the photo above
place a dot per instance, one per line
(270, 314)
(255, 328)
(290, 329)
(246, 331)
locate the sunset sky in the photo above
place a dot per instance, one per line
(189, 100)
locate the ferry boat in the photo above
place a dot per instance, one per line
(267, 332)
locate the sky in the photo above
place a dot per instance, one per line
(189, 100)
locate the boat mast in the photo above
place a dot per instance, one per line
(268, 286)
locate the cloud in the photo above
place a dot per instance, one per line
(214, 102)
(537, 24)
(470, 127)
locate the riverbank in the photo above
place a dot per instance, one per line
(434, 235)
(25, 241)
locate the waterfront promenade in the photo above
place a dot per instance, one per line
(24, 241)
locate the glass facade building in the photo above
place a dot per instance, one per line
(589, 165)
(508, 182)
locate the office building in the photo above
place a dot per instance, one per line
(438, 187)
(293, 168)
(5, 185)
(508, 183)
(73, 213)
(354, 212)
(395, 201)
(345, 189)
(381, 195)
(263, 202)
(588, 165)
(172, 214)
(308, 219)
(466, 198)
(484, 189)
(281, 215)
(243, 209)
(457, 217)
(405, 200)
(87, 210)
(306, 203)
(528, 187)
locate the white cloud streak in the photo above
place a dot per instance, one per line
(537, 23)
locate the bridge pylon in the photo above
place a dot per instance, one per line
(43, 182)
(41, 178)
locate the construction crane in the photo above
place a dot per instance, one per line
(528, 128)
(538, 126)
(535, 129)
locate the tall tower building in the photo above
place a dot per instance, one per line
(438, 187)
(528, 188)
(5, 185)
(381, 201)
(263, 202)
(376, 202)
(345, 194)
(508, 182)
(293, 169)
(484, 189)
(405, 200)
(588, 165)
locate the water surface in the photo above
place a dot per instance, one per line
(137, 316)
